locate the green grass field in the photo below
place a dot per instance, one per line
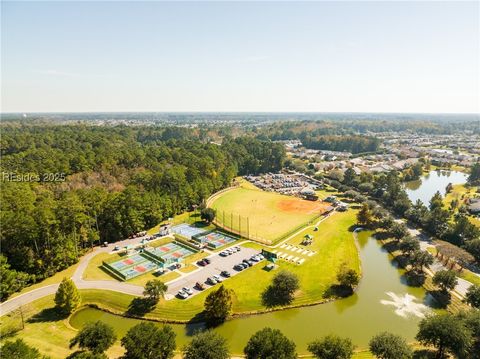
(270, 215)
(334, 244)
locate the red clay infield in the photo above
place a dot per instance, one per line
(296, 205)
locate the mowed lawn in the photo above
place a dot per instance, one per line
(461, 192)
(270, 215)
(334, 244)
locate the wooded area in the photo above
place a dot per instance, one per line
(119, 181)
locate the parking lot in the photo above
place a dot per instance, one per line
(217, 265)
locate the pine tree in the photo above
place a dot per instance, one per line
(67, 297)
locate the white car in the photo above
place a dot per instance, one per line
(260, 256)
(182, 294)
(217, 278)
(254, 258)
(223, 254)
(187, 290)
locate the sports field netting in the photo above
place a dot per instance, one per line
(187, 230)
(215, 239)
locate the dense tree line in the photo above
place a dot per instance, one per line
(387, 189)
(353, 143)
(118, 181)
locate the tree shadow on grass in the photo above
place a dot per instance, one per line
(48, 315)
(140, 306)
(424, 354)
(271, 297)
(442, 298)
(337, 291)
(381, 236)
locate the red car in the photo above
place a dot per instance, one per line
(200, 286)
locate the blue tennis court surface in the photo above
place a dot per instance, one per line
(187, 230)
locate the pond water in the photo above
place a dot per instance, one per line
(383, 302)
(424, 188)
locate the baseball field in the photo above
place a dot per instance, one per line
(265, 216)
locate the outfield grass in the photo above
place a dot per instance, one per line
(270, 215)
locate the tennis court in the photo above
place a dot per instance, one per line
(131, 266)
(176, 253)
(187, 230)
(215, 239)
(170, 252)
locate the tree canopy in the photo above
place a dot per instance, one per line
(269, 343)
(97, 337)
(67, 297)
(389, 346)
(332, 347)
(445, 332)
(147, 341)
(218, 305)
(105, 183)
(206, 345)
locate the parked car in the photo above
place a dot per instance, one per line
(248, 262)
(202, 263)
(223, 254)
(200, 286)
(207, 260)
(254, 258)
(225, 273)
(188, 290)
(244, 265)
(116, 248)
(182, 294)
(238, 267)
(261, 257)
(237, 248)
(211, 281)
(218, 278)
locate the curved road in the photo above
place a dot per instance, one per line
(77, 277)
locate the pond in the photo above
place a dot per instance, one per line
(424, 188)
(383, 302)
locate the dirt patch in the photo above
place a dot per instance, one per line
(295, 205)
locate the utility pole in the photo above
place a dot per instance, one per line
(21, 316)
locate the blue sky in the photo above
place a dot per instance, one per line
(225, 56)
